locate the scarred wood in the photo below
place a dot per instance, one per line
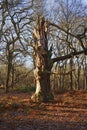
(42, 61)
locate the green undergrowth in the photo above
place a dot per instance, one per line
(25, 89)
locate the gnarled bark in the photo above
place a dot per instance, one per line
(43, 63)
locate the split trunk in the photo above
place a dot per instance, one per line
(43, 63)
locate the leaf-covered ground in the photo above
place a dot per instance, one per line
(67, 112)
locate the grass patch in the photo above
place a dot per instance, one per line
(25, 89)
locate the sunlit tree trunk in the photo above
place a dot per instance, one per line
(78, 73)
(43, 63)
(71, 75)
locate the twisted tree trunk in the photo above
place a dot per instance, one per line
(43, 63)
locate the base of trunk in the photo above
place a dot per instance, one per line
(39, 97)
(6, 90)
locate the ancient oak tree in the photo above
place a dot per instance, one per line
(43, 62)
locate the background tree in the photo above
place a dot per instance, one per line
(14, 27)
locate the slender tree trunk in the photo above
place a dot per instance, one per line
(43, 63)
(12, 55)
(9, 67)
(78, 77)
(71, 75)
(60, 78)
(63, 81)
(12, 82)
(7, 78)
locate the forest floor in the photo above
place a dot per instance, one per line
(67, 112)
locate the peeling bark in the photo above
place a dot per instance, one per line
(43, 63)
